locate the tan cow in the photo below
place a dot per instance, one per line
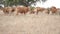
(8, 10)
(37, 10)
(46, 11)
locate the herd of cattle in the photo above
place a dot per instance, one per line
(24, 10)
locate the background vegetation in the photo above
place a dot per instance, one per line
(19, 2)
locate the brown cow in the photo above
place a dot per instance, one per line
(22, 10)
(8, 10)
(53, 9)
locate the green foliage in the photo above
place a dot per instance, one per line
(19, 2)
(32, 7)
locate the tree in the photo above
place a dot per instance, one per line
(8, 2)
(43, 0)
(20, 2)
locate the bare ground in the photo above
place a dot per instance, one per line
(30, 24)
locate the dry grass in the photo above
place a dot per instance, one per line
(30, 24)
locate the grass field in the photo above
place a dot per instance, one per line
(30, 24)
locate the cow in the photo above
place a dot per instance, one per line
(8, 10)
(22, 10)
(58, 11)
(38, 9)
(53, 9)
(46, 10)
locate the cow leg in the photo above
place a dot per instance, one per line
(24, 13)
(6, 12)
(37, 12)
(32, 12)
(9, 12)
(17, 13)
